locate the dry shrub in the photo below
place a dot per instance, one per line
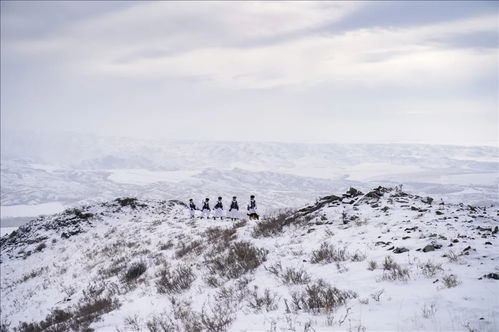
(215, 318)
(219, 233)
(372, 265)
(78, 318)
(274, 225)
(213, 281)
(289, 276)
(452, 256)
(328, 253)
(33, 274)
(240, 223)
(181, 318)
(267, 301)
(166, 246)
(358, 256)
(195, 246)
(295, 276)
(450, 281)
(376, 296)
(241, 257)
(134, 272)
(320, 296)
(430, 269)
(116, 267)
(393, 271)
(174, 281)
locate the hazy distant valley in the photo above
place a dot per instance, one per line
(45, 174)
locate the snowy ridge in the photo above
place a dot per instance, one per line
(85, 169)
(384, 260)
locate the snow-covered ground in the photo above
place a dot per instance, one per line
(382, 260)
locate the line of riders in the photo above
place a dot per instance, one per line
(232, 214)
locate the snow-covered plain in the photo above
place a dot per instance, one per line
(31, 210)
(441, 254)
(143, 177)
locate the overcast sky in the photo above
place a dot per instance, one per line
(275, 71)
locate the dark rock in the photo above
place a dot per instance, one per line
(129, 201)
(320, 203)
(439, 212)
(386, 208)
(427, 200)
(406, 237)
(400, 250)
(411, 229)
(494, 276)
(68, 234)
(400, 193)
(373, 194)
(354, 217)
(352, 192)
(431, 247)
(488, 243)
(455, 241)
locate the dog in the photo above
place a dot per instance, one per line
(253, 216)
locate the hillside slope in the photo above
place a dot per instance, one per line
(381, 261)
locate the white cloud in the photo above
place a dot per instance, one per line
(155, 68)
(248, 45)
(170, 26)
(360, 57)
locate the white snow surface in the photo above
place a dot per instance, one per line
(92, 248)
(24, 210)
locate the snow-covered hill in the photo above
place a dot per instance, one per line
(43, 174)
(380, 261)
